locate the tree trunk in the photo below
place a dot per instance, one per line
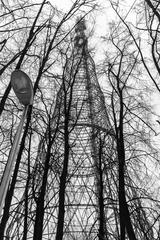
(101, 233)
(61, 207)
(125, 220)
(38, 227)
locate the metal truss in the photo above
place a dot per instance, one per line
(82, 156)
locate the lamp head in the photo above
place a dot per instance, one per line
(22, 87)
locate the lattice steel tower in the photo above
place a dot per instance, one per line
(75, 163)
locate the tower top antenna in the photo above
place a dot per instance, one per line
(81, 25)
(80, 38)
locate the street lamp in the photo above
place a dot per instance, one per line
(23, 89)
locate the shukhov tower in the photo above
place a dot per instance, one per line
(72, 185)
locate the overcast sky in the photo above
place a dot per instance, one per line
(103, 16)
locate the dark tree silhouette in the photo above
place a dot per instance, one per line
(86, 166)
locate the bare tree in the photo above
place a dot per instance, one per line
(38, 56)
(11, 18)
(132, 122)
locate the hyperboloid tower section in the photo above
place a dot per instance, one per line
(72, 186)
(83, 146)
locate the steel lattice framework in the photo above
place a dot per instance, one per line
(81, 191)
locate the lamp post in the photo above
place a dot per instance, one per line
(23, 89)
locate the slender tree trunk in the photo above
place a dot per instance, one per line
(101, 231)
(26, 194)
(26, 211)
(4, 98)
(61, 207)
(154, 9)
(101, 208)
(38, 227)
(122, 199)
(125, 220)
